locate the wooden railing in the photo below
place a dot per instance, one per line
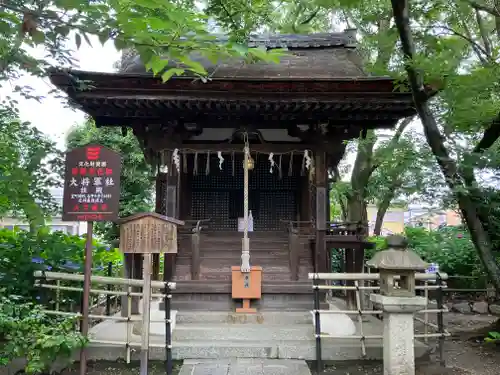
(338, 234)
(195, 233)
(298, 231)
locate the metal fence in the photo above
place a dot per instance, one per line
(360, 284)
(159, 289)
(429, 282)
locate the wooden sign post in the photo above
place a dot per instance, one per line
(149, 233)
(91, 193)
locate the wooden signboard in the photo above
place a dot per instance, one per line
(148, 233)
(91, 184)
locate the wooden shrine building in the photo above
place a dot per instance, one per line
(296, 116)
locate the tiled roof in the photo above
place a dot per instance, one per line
(315, 56)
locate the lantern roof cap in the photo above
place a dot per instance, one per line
(397, 257)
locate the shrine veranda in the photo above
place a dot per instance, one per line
(296, 116)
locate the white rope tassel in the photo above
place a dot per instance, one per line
(162, 165)
(177, 160)
(271, 160)
(245, 253)
(307, 159)
(207, 166)
(221, 159)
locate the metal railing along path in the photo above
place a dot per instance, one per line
(42, 279)
(358, 279)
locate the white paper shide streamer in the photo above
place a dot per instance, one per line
(221, 159)
(272, 162)
(308, 159)
(177, 160)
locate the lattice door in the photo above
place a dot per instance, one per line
(219, 194)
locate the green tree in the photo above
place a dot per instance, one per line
(468, 102)
(137, 178)
(404, 169)
(29, 167)
(160, 31)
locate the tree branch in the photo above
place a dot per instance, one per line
(311, 16)
(476, 46)
(490, 136)
(448, 166)
(484, 8)
(395, 138)
(484, 34)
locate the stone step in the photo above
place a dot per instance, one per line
(247, 366)
(332, 350)
(252, 332)
(278, 301)
(238, 319)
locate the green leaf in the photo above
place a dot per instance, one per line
(170, 73)
(38, 37)
(120, 44)
(242, 49)
(78, 40)
(103, 37)
(85, 36)
(259, 52)
(156, 64)
(194, 66)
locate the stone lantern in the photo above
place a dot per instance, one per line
(399, 303)
(397, 262)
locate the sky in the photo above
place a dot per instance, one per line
(50, 115)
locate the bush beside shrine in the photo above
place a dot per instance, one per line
(22, 253)
(450, 247)
(25, 330)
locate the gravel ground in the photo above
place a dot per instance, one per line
(120, 368)
(464, 351)
(465, 354)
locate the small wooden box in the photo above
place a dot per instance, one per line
(243, 288)
(148, 233)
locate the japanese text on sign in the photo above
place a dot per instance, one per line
(91, 186)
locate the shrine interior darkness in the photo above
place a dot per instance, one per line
(218, 193)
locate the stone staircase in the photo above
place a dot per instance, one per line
(219, 251)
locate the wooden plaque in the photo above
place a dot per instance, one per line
(148, 233)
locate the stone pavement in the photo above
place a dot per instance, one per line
(244, 366)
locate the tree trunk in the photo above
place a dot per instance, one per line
(448, 166)
(361, 172)
(382, 208)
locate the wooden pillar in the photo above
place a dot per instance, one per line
(321, 215)
(160, 208)
(172, 210)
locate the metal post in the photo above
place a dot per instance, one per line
(440, 320)
(84, 327)
(168, 337)
(108, 296)
(146, 307)
(317, 324)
